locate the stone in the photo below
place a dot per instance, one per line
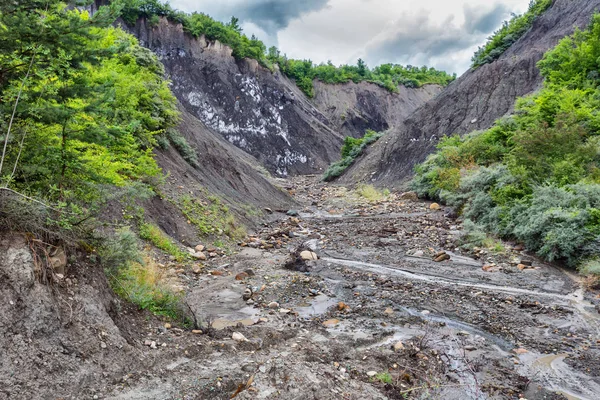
(58, 261)
(463, 333)
(425, 312)
(399, 346)
(488, 268)
(268, 210)
(250, 272)
(238, 337)
(147, 342)
(435, 207)
(342, 306)
(371, 374)
(419, 253)
(331, 322)
(527, 263)
(284, 311)
(292, 213)
(519, 247)
(241, 276)
(521, 351)
(103, 345)
(388, 311)
(309, 256)
(411, 196)
(213, 254)
(196, 269)
(273, 305)
(199, 249)
(168, 326)
(197, 332)
(199, 256)
(470, 348)
(216, 273)
(442, 257)
(247, 294)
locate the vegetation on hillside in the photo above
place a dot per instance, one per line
(351, 149)
(509, 33)
(535, 176)
(303, 72)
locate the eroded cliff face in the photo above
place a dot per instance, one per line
(474, 101)
(353, 108)
(262, 112)
(259, 111)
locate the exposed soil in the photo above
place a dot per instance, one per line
(373, 318)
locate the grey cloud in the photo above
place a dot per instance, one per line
(417, 39)
(476, 21)
(270, 15)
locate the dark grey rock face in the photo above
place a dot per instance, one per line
(353, 108)
(474, 101)
(259, 111)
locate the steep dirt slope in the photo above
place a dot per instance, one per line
(353, 108)
(474, 101)
(259, 111)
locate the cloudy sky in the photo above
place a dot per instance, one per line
(439, 33)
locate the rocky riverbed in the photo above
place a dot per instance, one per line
(357, 294)
(375, 317)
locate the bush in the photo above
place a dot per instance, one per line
(351, 149)
(534, 176)
(183, 147)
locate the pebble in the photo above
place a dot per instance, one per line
(399, 346)
(435, 207)
(331, 322)
(238, 337)
(273, 305)
(371, 374)
(309, 256)
(197, 332)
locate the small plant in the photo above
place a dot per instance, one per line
(143, 283)
(370, 193)
(384, 377)
(158, 238)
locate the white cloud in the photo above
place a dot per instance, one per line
(438, 33)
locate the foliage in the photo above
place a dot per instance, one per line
(210, 216)
(509, 33)
(174, 137)
(89, 100)
(384, 377)
(370, 193)
(534, 176)
(351, 149)
(143, 283)
(303, 72)
(158, 238)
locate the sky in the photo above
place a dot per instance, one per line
(438, 33)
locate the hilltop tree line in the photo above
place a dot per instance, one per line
(303, 72)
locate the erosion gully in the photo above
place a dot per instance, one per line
(375, 317)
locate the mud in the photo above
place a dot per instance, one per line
(373, 318)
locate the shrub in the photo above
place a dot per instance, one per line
(183, 147)
(351, 149)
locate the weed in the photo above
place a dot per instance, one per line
(384, 377)
(158, 238)
(370, 193)
(142, 283)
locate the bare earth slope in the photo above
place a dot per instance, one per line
(474, 101)
(353, 108)
(261, 112)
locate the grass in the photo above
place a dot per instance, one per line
(158, 238)
(143, 284)
(370, 193)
